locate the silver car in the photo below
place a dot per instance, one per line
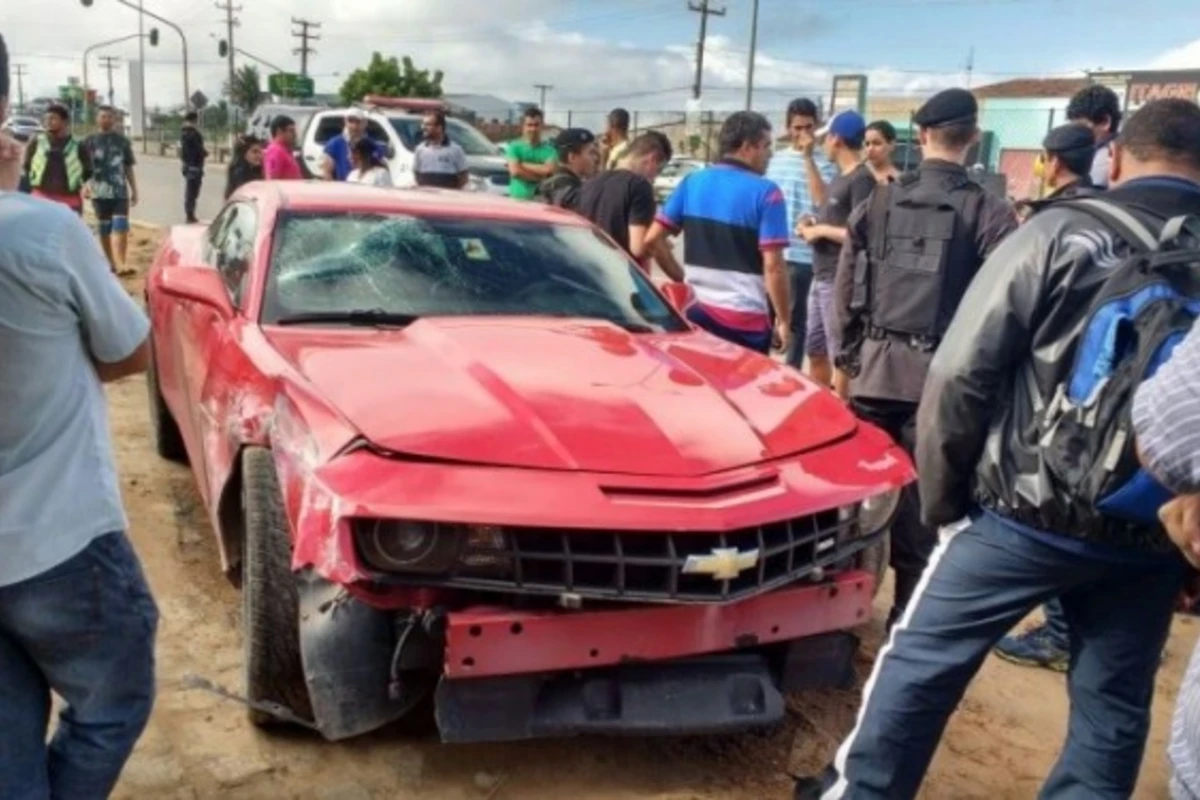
(23, 128)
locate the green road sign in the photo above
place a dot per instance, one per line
(285, 84)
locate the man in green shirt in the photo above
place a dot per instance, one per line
(530, 159)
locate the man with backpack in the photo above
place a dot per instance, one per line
(1067, 154)
(1026, 453)
(912, 250)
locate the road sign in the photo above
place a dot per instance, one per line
(286, 84)
(199, 100)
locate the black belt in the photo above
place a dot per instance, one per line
(924, 343)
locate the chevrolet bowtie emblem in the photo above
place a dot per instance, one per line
(723, 564)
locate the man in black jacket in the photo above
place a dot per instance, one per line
(1011, 538)
(193, 155)
(578, 159)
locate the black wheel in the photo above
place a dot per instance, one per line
(270, 603)
(167, 440)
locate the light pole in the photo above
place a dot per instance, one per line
(87, 53)
(139, 7)
(753, 51)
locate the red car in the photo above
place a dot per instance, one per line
(459, 448)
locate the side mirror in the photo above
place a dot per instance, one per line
(679, 295)
(202, 285)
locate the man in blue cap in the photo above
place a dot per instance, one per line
(911, 253)
(842, 142)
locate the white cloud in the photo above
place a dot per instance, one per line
(1184, 57)
(501, 47)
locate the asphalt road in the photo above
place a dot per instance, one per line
(160, 190)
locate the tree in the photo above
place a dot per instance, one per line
(391, 78)
(246, 89)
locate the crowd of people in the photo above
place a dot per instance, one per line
(1041, 365)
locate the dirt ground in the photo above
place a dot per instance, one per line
(1000, 744)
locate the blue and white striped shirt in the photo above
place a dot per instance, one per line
(789, 172)
(1166, 416)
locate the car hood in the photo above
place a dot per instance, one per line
(564, 395)
(487, 165)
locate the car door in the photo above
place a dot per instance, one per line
(211, 358)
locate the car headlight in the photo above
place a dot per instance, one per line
(408, 546)
(875, 513)
(432, 548)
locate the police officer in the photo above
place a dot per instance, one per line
(1067, 155)
(578, 159)
(911, 251)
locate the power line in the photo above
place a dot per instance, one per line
(305, 37)
(705, 11)
(109, 63)
(543, 88)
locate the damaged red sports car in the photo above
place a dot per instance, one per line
(459, 449)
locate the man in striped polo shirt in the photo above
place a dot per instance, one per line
(735, 228)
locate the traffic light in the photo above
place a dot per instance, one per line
(154, 37)
(223, 48)
(86, 3)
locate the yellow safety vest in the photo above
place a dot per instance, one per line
(41, 156)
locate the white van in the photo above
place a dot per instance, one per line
(396, 122)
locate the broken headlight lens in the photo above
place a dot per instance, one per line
(486, 551)
(875, 513)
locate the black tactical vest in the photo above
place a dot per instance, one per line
(921, 256)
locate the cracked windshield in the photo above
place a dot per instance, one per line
(399, 268)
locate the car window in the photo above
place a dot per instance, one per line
(328, 127)
(470, 140)
(234, 247)
(442, 266)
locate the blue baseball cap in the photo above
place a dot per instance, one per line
(847, 125)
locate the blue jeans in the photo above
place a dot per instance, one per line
(800, 276)
(981, 582)
(84, 630)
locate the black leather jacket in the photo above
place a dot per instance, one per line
(560, 189)
(1013, 341)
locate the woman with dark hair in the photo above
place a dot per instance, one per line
(879, 145)
(246, 165)
(368, 167)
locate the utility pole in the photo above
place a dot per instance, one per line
(970, 65)
(21, 71)
(141, 112)
(305, 37)
(753, 52)
(705, 10)
(543, 88)
(231, 22)
(109, 63)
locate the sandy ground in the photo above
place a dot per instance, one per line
(1000, 744)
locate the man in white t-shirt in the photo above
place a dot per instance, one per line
(438, 161)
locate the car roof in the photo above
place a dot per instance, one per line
(324, 195)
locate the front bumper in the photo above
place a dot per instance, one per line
(485, 642)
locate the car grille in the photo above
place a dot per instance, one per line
(651, 566)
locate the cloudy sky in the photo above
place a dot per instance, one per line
(636, 53)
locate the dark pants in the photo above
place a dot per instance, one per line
(981, 582)
(1056, 623)
(84, 630)
(191, 193)
(911, 540)
(800, 276)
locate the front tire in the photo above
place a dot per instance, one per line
(270, 600)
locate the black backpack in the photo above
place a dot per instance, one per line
(1145, 307)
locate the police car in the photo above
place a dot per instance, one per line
(396, 123)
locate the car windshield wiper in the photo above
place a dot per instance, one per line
(364, 316)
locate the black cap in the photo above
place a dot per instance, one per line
(573, 139)
(1066, 138)
(949, 107)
